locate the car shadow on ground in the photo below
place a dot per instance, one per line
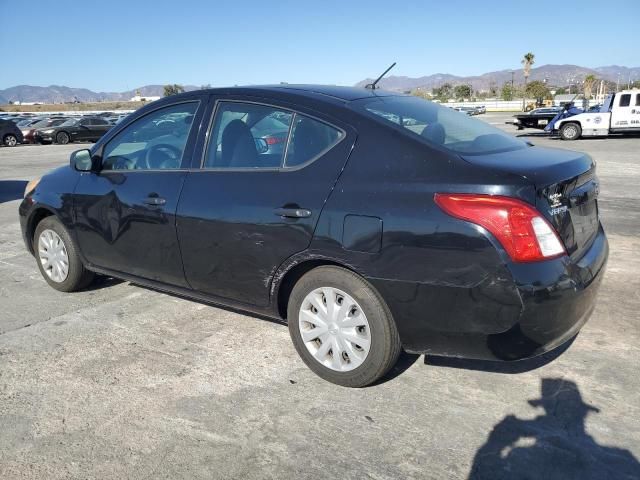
(552, 445)
(11, 190)
(512, 367)
(405, 360)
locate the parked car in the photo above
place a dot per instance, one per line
(468, 110)
(84, 129)
(366, 234)
(29, 131)
(10, 134)
(537, 118)
(480, 109)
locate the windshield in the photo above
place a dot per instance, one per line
(439, 125)
(69, 123)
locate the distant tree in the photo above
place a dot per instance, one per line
(561, 91)
(443, 92)
(588, 84)
(462, 91)
(418, 92)
(173, 89)
(507, 92)
(537, 90)
(493, 89)
(635, 84)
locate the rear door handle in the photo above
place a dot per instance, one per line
(293, 212)
(155, 201)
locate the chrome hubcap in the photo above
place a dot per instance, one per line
(571, 132)
(53, 256)
(334, 329)
(11, 141)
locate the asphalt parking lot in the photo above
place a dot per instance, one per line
(124, 382)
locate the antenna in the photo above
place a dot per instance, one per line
(372, 86)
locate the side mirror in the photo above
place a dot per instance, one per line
(81, 160)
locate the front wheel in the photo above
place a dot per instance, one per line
(10, 140)
(570, 131)
(58, 258)
(341, 327)
(62, 138)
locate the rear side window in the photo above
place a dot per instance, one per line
(247, 135)
(439, 125)
(638, 100)
(309, 139)
(625, 100)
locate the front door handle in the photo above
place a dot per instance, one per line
(293, 212)
(157, 201)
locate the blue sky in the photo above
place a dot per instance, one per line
(115, 45)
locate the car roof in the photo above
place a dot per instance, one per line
(326, 92)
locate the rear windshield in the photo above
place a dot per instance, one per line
(439, 125)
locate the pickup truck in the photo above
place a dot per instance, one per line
(620, 113)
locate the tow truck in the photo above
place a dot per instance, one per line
(619, 114)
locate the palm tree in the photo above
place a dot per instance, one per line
(527, 61)
(589, 82)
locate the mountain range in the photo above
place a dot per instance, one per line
(556, 75)
(61, 94)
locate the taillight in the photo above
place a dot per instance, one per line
(274, 140)
(522, 231)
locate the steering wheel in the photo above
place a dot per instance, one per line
(120, 163)
(162, 155)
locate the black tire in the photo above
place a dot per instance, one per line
(385, 342)
(78, 277)
(570, 131)
(10, 140)
(62, 138)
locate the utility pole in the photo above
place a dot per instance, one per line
(512, 74)
(618, 83)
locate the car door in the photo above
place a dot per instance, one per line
(81, 131)
(621, 115)
(125, 211)
(98, 128)
(255, 200)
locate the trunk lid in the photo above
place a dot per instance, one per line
(566, 189)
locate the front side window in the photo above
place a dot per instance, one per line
(246, 135)
(439, 125)
(638, 100)
(625, 100)
(155, 141)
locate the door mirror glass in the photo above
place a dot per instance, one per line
(81, 160)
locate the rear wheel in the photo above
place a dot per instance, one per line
(341, 327)
(58, 258)
(62, 138)
(570, 131)
(10, 140)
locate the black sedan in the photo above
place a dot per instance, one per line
(10, 133)
(85, 129)
(538, 118)
(385, 222)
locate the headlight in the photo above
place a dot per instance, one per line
(31, 186)
(50, 130)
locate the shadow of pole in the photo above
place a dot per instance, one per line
(554, 445)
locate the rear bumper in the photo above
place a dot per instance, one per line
(541, 307)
